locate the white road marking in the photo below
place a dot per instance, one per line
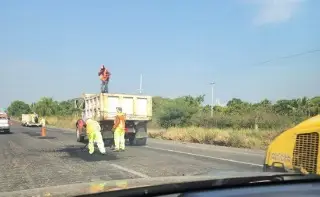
(206, 156)
(228, 151)
(213, 148)
(130, 171)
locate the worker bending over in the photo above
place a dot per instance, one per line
(94, 135)
(119, 130)
(104, 75)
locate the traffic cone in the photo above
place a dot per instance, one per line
(43, 131)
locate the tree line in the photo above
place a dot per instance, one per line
(46, 106)
(189, 111)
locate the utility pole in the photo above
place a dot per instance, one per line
(140, 87)
(212, 85)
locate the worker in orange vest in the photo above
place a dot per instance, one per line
(119, 130)
(104, 75)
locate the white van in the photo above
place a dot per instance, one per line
(4, 123)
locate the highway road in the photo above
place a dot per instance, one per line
(30, 161)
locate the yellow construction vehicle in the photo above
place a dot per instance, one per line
(296, 149)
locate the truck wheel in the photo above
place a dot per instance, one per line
(80, 138)
(138, 141)
(141, 142)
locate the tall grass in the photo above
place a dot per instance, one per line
(242, 138)
(66, 122)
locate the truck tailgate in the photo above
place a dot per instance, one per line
(103, 106)
(26, 118)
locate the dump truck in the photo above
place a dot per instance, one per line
(296, 149)
(30, 120)
(102, 107)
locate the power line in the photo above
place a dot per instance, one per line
(289, 56)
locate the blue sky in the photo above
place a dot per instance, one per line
(55, 48)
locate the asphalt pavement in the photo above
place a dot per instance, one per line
(28, 160)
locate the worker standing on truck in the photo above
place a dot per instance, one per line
(94, 135)
(104, 75)
(119, 130)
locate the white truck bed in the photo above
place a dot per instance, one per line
(103, 106)
(27, 120)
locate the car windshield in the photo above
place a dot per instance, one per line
(81, 83)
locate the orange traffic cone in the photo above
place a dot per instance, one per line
(43, 131)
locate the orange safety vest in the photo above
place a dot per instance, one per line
(104, 75)
(120, 121)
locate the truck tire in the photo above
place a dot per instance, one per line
(138, 141)
(141, 141)
(7, 131)
(80, 138)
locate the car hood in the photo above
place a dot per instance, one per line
(105, 186)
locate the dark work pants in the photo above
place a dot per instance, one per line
(104, 87)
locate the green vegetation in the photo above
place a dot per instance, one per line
(237, 114)
(44, 107)
(238, 124)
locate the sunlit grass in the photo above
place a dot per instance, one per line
(243, 138)
(66, 122)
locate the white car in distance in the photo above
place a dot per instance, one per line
(4, 123)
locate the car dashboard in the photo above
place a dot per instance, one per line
(272, 185)
(281, 190)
